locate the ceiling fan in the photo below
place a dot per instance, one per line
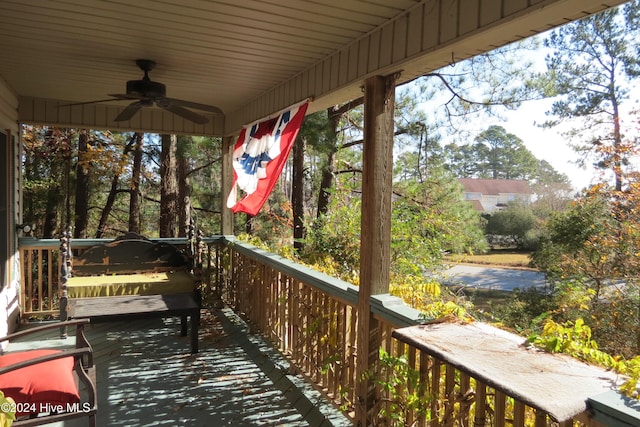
(147, 93)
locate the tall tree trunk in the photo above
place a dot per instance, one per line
(326, 182)
(168, 187)
(53, 204)
(65, 221)
(297, 194)
(333, 114)
(57, 169)
(184, 191)
(111, 198)
(248, 224)
(617, 144)
(134, 198)
(82, 187)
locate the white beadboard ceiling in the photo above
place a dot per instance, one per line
(250, 57)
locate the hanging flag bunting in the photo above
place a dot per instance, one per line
(259, 157)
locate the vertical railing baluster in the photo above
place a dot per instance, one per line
(518, 414)
(465, 398)
(50, 280)
(411, 387)
(341, 349)
(286, 309)
(449, 396)
(541, 418)
(317, 347)
(29, 283)
(425, 393)
(480, 413)
(331, 336)
(40, 268)
(291, 307)
(326, 330)
(294, 325)
(435, 391)
(308, 332)
(276, 284)
(23, 280)
(353, 317)
(500, 412)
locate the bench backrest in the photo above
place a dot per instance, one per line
(127, 256)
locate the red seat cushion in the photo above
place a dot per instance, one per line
(41, 386)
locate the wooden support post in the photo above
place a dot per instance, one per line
(375, 243)
(227, 182)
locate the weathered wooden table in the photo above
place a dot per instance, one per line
(116, 308)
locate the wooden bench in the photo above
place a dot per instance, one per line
(130, 278)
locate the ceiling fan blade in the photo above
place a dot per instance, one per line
(115, 97)
(184, 113)
(123, 96)
(196, 105)
(129, 111)
(86, 103)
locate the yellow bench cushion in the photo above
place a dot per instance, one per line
(174, 282)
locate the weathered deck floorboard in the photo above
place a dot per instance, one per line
(146, 376)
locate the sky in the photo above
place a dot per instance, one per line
(546, 144)
(549, 145)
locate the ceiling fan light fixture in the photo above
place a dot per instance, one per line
(146, 89)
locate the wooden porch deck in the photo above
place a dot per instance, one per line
(146, 376)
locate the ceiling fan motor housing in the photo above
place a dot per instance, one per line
(146, 89)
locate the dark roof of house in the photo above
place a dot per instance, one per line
(495, 186)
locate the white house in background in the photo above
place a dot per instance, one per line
(490, 195)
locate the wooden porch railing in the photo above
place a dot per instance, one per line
(39, 277)
(312, 319)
